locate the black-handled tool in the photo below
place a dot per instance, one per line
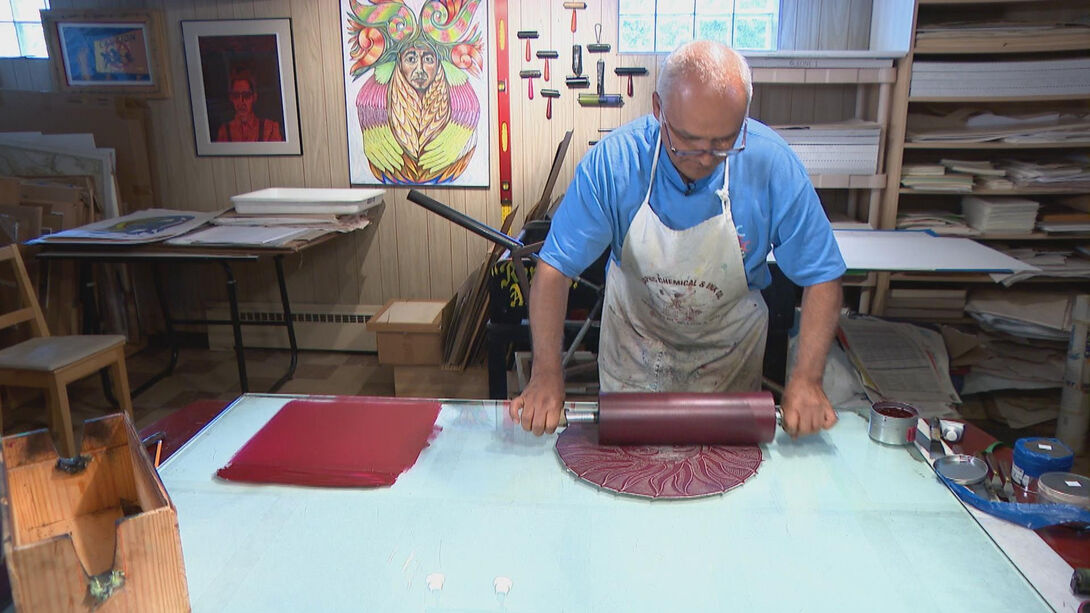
(629, 71)
(464, 220)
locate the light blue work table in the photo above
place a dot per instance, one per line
(831, 522)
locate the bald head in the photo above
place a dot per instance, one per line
(711, 67)
(701, 101)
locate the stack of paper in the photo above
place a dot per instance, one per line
(982, 168)
(1005, 33)
(943, 223)
(1006, 378)
(1049, 262)
(968, 125)
(1068, 218)
(1001, 79)
(958, 183)
(933, 304)
(248, 236)
(146, 226)
(1073, 172)
(847, 148)
(1023, 314)
(900, 362)
(923, 170)
(1000, 214)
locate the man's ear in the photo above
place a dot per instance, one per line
(656, 106)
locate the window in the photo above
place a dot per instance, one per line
(21, 28)
(659, 26)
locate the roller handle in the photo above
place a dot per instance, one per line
(463, 220)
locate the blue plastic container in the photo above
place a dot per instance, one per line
(1035, 456)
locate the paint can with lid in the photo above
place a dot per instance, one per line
(1064, 488)
(892, 423)
(1035, 456)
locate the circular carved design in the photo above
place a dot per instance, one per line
(666, 471)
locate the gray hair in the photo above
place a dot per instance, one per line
(716, 65)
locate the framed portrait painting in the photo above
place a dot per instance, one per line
(115, 52)
(242, 87)
(416, 92)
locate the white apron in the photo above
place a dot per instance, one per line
(679, 315)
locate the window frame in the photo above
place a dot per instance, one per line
(16, 22)
(695, 15)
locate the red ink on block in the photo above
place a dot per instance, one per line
(347, 441)
(656, 471)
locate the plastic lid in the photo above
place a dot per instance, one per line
(1049, 447)
(1064, 488)
(963, 469)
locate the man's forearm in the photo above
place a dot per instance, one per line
(548, 304)
(820, 315)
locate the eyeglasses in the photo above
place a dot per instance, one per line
(241, 95)
(718, 153)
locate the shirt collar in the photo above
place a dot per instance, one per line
(673, 177)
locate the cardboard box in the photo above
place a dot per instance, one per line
(410, 332)
(104, 538)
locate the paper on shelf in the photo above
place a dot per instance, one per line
(256, 236)
(903, 362)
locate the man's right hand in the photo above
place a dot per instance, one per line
(540, 404)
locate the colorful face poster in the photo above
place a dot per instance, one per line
(416, 92)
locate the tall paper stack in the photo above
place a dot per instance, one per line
(1000, 214)
(844, 148)
(989, 79)
(926, 303)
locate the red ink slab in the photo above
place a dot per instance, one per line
(345, 441)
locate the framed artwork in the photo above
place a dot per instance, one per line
(242, 87)
(416, 92)
(115, 52)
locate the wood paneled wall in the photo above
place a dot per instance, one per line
(411, 252)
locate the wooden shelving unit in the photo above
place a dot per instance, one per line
(1050, 41)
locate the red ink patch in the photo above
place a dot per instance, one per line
(347, 441)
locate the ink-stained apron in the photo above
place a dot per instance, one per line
(679, 314)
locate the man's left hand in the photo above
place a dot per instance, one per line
(806, 409)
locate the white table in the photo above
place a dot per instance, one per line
(831, 522)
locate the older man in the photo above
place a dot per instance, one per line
(690, 201)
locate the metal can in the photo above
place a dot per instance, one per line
(892, 423)
(1034, 457)
(1064, 488)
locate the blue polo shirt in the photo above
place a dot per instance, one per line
(773, 203)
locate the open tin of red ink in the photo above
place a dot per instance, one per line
(892, 423)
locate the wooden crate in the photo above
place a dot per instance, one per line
(112, 522)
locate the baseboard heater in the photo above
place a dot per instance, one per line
(322, 327)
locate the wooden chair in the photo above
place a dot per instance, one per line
(50, 363)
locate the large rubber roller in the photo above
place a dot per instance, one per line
(644, 418)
